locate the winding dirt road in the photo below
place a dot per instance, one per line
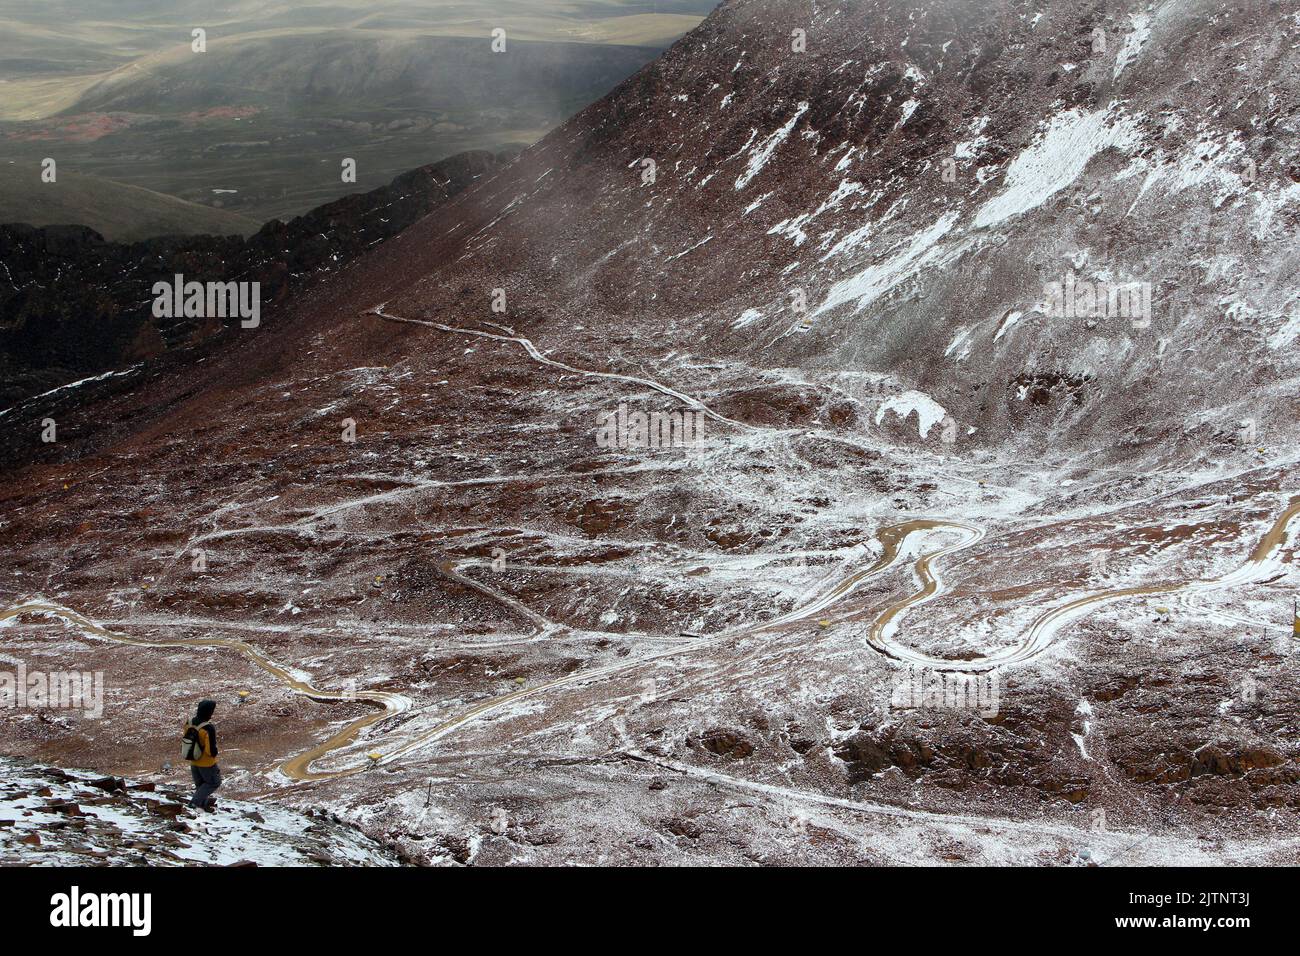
(899, 541)
(1043, 630)
(299, 767)
(534, 353)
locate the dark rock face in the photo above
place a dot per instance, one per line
(53, 817)
(75, 306)
(724, 742)
(1070, 446)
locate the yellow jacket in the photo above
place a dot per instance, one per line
(209, 758)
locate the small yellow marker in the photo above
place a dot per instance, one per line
(824, 622)
(519, 680)
(243, 696)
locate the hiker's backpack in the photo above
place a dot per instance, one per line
(191, 744)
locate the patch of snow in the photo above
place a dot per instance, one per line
(909, 108)
(79, 382)
(764, 151)
(913, 255)
(1056, 158)
(1133, 42)
(793, 228)
(685, 252)
(928, 412)
(959, 341)
(1287, 334)
(1011, 319)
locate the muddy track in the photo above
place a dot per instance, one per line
(897, 541)
(1042, 631)
(298, 768)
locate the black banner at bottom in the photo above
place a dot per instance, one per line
(337, 906)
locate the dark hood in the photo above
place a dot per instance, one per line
(204, 711)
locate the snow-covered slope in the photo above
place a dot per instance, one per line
(853, 239)
(921, 170)
(55, 817)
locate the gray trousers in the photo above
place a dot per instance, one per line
(206, 782)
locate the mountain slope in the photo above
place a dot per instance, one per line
(117, 211)
(79, 308)
(55, 817)
(829, 180)
(607, 652)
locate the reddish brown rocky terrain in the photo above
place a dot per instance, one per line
(912, 473)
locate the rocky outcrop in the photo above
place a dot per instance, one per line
(74, 306)
(52, 816)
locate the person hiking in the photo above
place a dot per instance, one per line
(199, 748)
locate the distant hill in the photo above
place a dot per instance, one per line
(288, 89)
(269, 119)
(73, 306)
(116, 211)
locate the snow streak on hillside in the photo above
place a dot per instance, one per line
(983, 550)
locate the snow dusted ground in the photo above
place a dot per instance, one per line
(593, 707)
(53, 817)
(692, 654)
